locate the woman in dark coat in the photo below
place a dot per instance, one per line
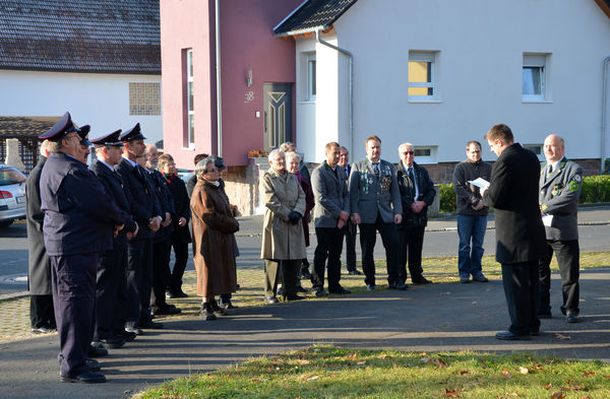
(213, 238)
(181, 235)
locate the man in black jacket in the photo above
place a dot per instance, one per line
(417, 193)
(147, 213)
(111, 282)
(472, 213)
(42, 317)
(513, 192)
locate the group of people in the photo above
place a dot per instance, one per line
(101, 238)
(535, 216)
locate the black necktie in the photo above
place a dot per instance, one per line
(412, 178)
(376, 168)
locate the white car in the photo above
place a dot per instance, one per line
(12, 195)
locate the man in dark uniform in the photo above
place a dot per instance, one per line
(111, 284)
(513, 192)
(145, 210)
(79, 222)
(350, 227)
(42, 317)
(161, 239)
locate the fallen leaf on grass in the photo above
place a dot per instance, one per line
(538, 367)
(572, 387)
(464, 372)
(561, 336)
(548, 386)
(524, 370)
(451, 393)
(362, 363)
(313, 378)
(302, 362)
(558, 395)
(439, 363)
(506, 373)
(588, 373)
(586, 397)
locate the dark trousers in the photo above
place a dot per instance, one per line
(73, 283)
(520, 282)
(41, 311)
(330, 244)
(350, 245)
(411, 245)
(139, 279)
(284, 270)
(568, 258)
(110, 282)
(161, 256)
(181, 249)
(389, 237)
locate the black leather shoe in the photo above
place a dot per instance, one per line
(371, 287)
(480, 278)
(271, 300)
(421, 281)
(294, 297)
(86, 377)
(127, 336)
(93, 365)
(535, 333)
(305, 274)
(511, 336)
(166, 310)
(320, 292)
(132, 329)
(391, 286)
(339, 291)
(354, 272)
(571, 318)
(43, 330)
(151, 325)
(400, 286)
(109, 343)
(544, 315)
(301, 289)
(464, 279)
(228, 305)
(97, 351)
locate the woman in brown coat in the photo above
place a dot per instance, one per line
(213, 240)
(283, 244)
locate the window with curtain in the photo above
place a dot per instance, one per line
(421, 77)
(534, 77)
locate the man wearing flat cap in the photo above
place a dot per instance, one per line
(146, 211)
(79, 222)
(111, 284)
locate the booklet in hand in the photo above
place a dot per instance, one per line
(479, 182)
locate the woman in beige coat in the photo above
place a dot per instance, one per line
(213, 240)
(283, 244)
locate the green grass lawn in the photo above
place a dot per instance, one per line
(329, 372)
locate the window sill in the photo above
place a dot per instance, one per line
(523, 101)
(189, 148)
(424, 101)
(307, 102)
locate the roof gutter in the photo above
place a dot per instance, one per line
(350, 58)
(218, 79)
(604, 107)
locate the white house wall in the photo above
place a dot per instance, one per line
(100, 100)
(481, 45)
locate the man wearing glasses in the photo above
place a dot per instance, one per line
(79, 222)
(417, 194)
(472, 213)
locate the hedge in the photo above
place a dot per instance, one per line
(595, 189)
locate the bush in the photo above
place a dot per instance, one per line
(595, 189)
(447, 197)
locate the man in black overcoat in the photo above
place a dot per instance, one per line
(42, 316)
(513, 193)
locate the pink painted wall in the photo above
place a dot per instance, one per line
(187, 24)
(247, 42)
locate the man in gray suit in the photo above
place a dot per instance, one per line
(331, 214)
(560, 186)
(376, 206)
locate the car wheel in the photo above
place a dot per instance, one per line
(5, 223)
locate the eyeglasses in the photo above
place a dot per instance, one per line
(408, 153)
(211, 170)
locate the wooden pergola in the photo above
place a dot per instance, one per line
(26, 129)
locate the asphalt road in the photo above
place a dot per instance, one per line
(438, 242)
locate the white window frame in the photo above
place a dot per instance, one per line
(536, 148)
(540, 62)
(432, 58)
(190, 115)
(311, 74)
(432, 150)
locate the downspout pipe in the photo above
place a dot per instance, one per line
(218, 79)
(602, 148)
(350, 58)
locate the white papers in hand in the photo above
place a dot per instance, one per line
(547, 220)
(479, 182)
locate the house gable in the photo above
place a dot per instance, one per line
(313, 15)
(604, 5)
(96, 36)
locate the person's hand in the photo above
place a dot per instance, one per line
(134, 233)
(343, 216)
(483, 189)
(356, 218)
(155, 223)
(477, 206)
(294, 217)
(182, 222)
(340, 223)
(167, 221)
(397, 218)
